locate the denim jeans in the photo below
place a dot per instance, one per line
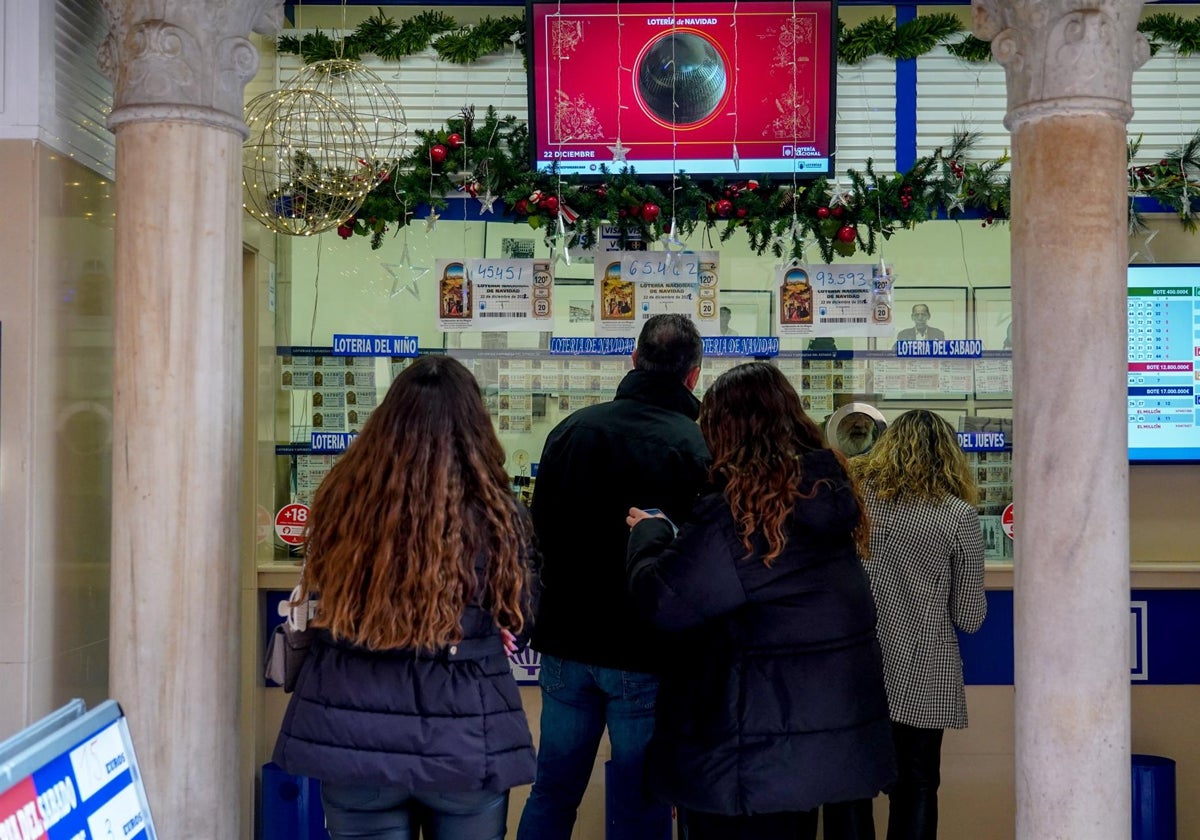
(578, 701)
(382, 813)
(913, 801)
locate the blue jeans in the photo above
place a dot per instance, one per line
(382, 813)
(578, 701)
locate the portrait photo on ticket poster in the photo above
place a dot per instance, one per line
(934, 313)
(993, 316)
(614, 313)
(455, 301)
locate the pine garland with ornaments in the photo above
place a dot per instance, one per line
(488, 160)
(458, 43)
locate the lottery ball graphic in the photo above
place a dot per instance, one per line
(693, 67)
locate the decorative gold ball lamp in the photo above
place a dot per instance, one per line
(306, 166)
(376, 109)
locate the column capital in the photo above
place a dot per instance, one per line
(184, 59)
(1064, 56)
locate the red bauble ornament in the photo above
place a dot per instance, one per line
(522, 206)
(847, 233)
(741, 212)
(837, 211)
(635, 211)
(822, 212)
(650, 211)
(437, 153)
(455, 140)
(724, 207)
(549, 204)
(601, 191)
(346, 230)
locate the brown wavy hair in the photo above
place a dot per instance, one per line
(400, 520)
(918, 454)
(757, 432)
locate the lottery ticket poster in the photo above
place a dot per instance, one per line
(633, 286)
(834, 300)
(496, 295)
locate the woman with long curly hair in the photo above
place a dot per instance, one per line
(772, 703)
(926, 570)
(418, 556)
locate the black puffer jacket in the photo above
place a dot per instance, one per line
(445, 722)
(774, 700)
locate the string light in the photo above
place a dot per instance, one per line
(379, 114)
(304, 166)
(737, 75)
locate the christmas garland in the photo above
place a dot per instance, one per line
(461, 44)
(488, 160)
(383, 37)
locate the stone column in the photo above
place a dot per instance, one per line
(179, 68)
(1069, 67)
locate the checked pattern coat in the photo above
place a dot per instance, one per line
(926, 571)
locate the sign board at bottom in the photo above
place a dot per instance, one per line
(73, 776)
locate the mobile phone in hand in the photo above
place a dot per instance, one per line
(657, 512)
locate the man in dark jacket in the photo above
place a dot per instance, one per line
(598, 658)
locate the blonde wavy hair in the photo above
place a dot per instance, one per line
(918, 454)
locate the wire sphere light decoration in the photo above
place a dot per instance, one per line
(305, 165)
(361, 90)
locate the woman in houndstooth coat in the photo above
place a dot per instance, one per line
(926, 571)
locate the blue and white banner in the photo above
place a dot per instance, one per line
(345, 344)
(757, 347)
(592, 346)
(983, 441)
(955, 348)
(330, 441)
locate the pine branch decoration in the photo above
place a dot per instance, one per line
(1166, 29)
(871, 37)
(881, 36)
(971, 49)
(922, 34)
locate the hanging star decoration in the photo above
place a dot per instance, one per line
(791, 241)
(406, 268)
(834, 190)
(563, 250)
(619, 151)
(486, 201)
(956, 201)
(431, 220)
(737, 159)
(670, 239)
(1144, 249)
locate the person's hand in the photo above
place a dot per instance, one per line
(636, 515)
(509, 640)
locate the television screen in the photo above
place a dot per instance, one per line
(712, 88)
(1164, 348)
